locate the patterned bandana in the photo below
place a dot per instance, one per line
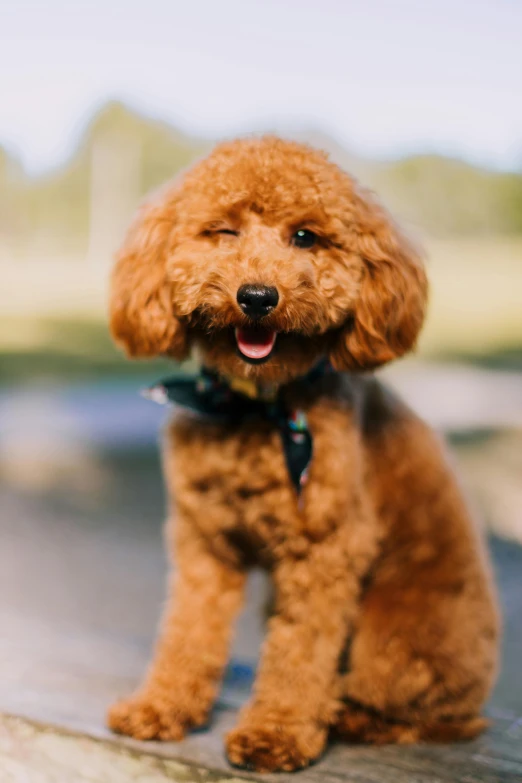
(234, 400)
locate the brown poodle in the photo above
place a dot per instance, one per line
(291, 283)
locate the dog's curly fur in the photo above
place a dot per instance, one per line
(385, 625)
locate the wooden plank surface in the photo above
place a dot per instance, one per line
(81, 586)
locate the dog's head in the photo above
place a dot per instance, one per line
(266, 256)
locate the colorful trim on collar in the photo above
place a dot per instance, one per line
(232, 400)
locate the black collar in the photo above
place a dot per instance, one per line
(231, 401)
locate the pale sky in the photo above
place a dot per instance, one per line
(384, 77)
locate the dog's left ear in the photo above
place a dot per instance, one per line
(391, 305)
(142, 320)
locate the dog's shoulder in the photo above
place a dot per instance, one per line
(380, 408)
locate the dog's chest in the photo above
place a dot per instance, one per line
(235, 481)
(241, 470)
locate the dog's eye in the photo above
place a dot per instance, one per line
(304, 238)
(212, 232)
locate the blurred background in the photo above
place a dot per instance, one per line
(103, 101)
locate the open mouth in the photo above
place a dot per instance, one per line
(255, 344)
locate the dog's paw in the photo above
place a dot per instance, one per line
(147, 718)
(275, 748)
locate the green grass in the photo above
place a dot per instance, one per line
(58, 350)
(475, 302)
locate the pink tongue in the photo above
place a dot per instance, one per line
(255, 343)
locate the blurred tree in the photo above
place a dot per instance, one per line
(446, 197)
(12, 185)
(115, 188)
(120, 156)
(82, 207)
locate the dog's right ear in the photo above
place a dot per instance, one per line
(141, 301)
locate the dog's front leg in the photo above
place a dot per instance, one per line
(285, 726)
(179, 690)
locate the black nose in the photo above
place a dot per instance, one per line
(257, 301)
